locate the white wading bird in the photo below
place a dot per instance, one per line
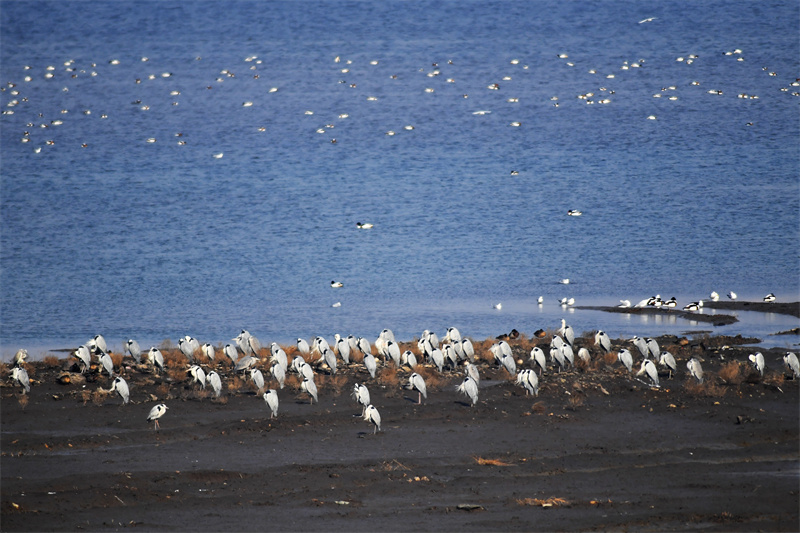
(156, 413)
(121, 386)
(417, 383)
(371, 414)
(271, 397)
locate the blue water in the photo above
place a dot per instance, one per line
(158, 240)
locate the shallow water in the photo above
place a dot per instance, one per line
(159, 240)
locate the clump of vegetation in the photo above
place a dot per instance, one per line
(539, 408)
(731, 373)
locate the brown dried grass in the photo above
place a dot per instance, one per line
(176, 373)
(85, 396)
(389, 378)
(539, 408)
(174, 358)
(491, 462)
(116, 358)
(610, 358)
(356, 357)
(575, 401)
(433, 379)
(4, 372)
(292, 381)
(336, 383)
(775, 378)
(99, 397)
(731, 373)
(707, 389)
(162, 391)
(51, 361)
(23, 400)
(549, 502)
(235, 384)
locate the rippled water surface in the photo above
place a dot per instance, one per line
(156, 240)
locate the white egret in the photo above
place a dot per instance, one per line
(567, 331)
(372, 415)
(361, 395)
(529, 380)
(245, 363)
(538, 358)
(257, 377)
(156, 413)
(626, 358)
(133, 348)
(21, 376)
(649, 367)
(330, 359)
(310, 387)
(409, 359)
(343, 347)
(653, 348)
(695, 370)
(668, 361)
(207, 350)
(271, 398)
(85, 358)
(370, 364)
(468, 349)
(156, 359)
(230, 351)
(470, 388)
(792, 363)
(198, 375)
(758, 360)
(509, 364)
(472, 371)
(438, 359)
(641, 345)
(213, 379)
(557, 356)
(121, 386)
(393, 349)
(278, 373)
(303, 347)
(417, 383)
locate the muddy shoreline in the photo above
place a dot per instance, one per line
(598, 449)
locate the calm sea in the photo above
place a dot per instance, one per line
(105, 232)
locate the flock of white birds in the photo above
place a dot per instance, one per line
(452, 354)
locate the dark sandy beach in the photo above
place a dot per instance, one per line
(598, 449)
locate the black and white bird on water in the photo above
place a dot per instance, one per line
(155, 413)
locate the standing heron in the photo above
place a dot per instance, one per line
(695, 370)
(641, 345)
(438, 359)
(121, 386)
(156, 413)
(330, 359)
(361, 395)
(509, 364)
(85, 358)
(156, 359)
(198, 375)
(108, 364)
(472, 371)
(584, 355)
(231, 353)
(417, 382)
(208, 350)
(409, 359)
(557, 356)
(387, 335)
(254, 344)
(653, 348)
(792, 363)
(370, 364)
(257, 377)
(303, 347)
(271, 397)
(21, 376)
(668, 361)
(649, 367)
(20, 356)
(758, 360)
(343, 347)
(97, 343)
(278, 373)
(242, 342)
(529, 380)
(450, 356)
(567, 331)
(245, 363)
(393, 349)
(602, 339)
(364, 346)
(306, 371)
(133, 348)
(297, 363)
(187, 348)
(213, 379)
(371, 414)
(626, 358)
(468, 349)
(310, 387)
(538, 358)
(453, 335)
(569, 355)
(278, 355)
(470, 388)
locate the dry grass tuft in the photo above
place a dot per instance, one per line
(775, 378)
(292, 381)
(356, 356)
(610, 358)
(538, 408)
(336, 383)
(4, 372)
(731, 373)
(388, 377)
(176, 374)
(23, 400)
(86, 395)
(222, 400)
(707, 389)
(491, 462)
(98, 397)
(549, 502)
(433, 379)
(162, 391)
(236, 384)
(51, 361)
(174, 358)
(116, 358)
(575, 401)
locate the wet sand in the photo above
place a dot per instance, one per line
(598, 449)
